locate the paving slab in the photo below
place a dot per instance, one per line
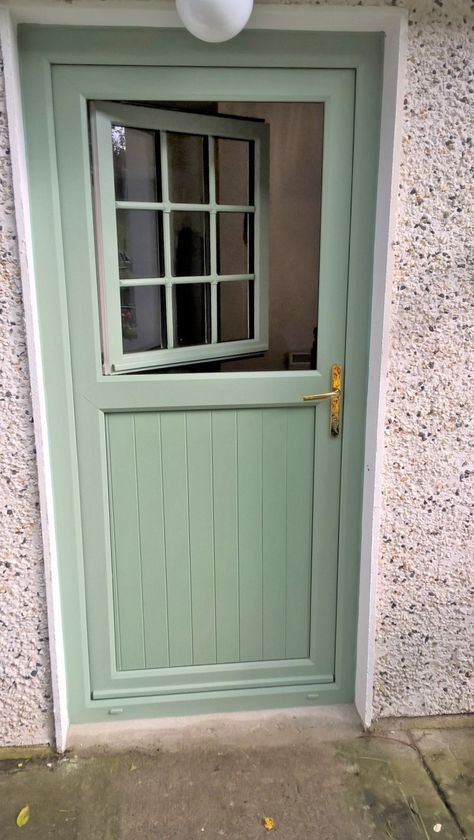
(449, 758)
(313, 784)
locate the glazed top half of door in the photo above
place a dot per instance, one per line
(209, 501)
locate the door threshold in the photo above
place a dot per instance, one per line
(257, 728)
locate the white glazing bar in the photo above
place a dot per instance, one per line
(143, 281)
(260, 242)
(234, 208)
(232, 278)
(175, 281)
(169, 302)
(170, 205)
(141, 205)
(213, 238)
(167, 238)
(214, 314)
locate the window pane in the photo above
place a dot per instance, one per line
(233, 172)
(136, 154)
(235, 243)
(190, 243)
(143, 318)
(140, 244)
(188, 169)
(296, 156)
(235, 310)
(192, 310)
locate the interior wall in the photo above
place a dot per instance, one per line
(294, 225)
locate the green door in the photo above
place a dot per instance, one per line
(215, 572)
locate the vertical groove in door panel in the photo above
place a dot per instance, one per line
(211, 422)
(126, 540)
(274, 532)
(150, 508)
(173, 444)
(299, 531)
(201, 536)
(224, 445)
(249, 471)
(115, 597)
(186, 460)
(140, 558)
(164, 540)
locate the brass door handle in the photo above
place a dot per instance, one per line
(326, 395)
(334, 396)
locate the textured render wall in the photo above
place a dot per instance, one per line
(425, 578)
(25, 693)
(425, 628)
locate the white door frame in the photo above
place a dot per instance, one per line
(391, 21)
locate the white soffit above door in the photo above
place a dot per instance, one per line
(163, 14)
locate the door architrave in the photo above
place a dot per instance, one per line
(393, 23)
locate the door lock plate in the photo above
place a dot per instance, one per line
(335, 404)
(334, 396)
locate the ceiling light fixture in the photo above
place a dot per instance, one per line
(214, 20)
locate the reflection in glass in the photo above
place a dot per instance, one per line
(188, 169)
(136, 155)
(190, 243)
(234, 240)
(143, 318)
(140, 244)
(192, 314)
(234, 179)
(235, 310)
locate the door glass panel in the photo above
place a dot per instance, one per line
(234, 184)
(188, 168)
(136, 155)
(143, 318)
(190, 243)
(140, 244)
(234, 235)
(296, 131)
(235, 310)
(192, 313)
(296, 160)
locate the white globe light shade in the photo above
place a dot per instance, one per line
(214, 20)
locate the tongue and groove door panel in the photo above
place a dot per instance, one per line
(211, 515)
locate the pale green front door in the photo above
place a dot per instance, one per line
(215, 572)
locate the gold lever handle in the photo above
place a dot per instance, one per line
(334, 396)
(327, 395)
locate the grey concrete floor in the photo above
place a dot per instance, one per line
(317, 778)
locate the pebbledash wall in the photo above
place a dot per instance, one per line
(425, 588)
